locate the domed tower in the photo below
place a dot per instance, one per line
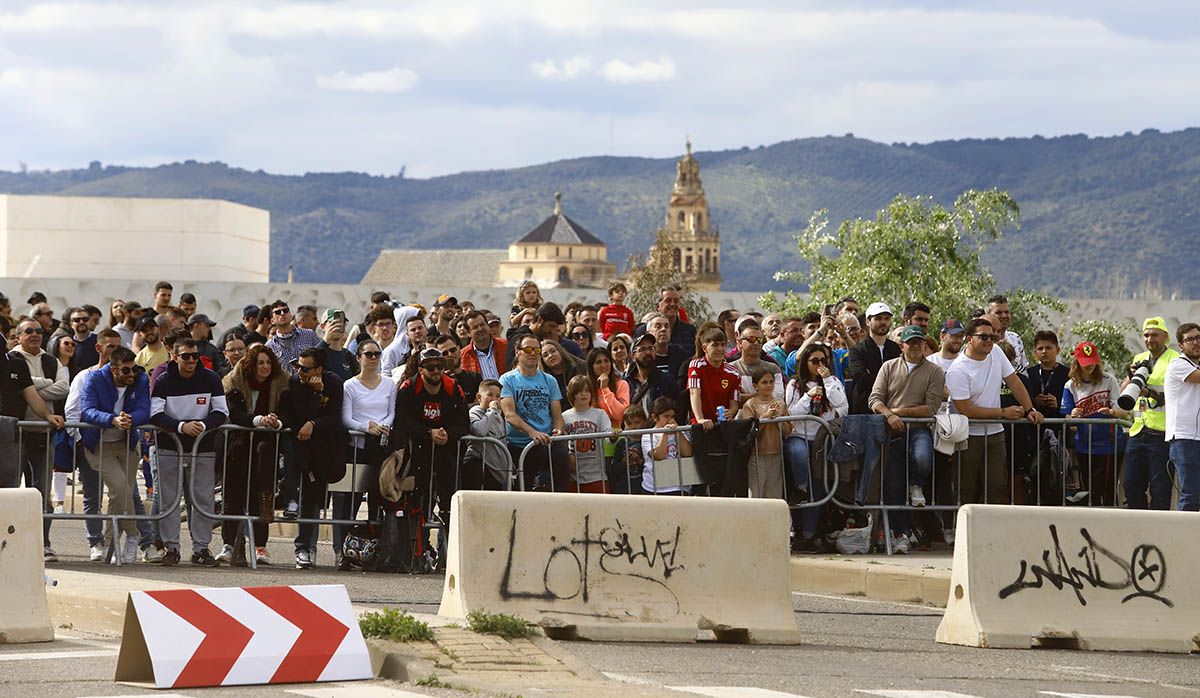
(695, 241)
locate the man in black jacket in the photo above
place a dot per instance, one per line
(646, 382)
(431, 413)
(865, 358)
(312, 408)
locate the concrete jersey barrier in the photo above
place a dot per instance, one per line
(623, 567)
(24, 615)
(1093, 579)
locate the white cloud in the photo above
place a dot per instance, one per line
(569, 69)
(646, 71)
(392, 81)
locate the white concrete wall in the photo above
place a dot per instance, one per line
(223, 301)
(108, 237)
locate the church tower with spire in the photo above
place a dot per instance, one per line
(695, 242)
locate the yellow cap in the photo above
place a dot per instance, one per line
(1155, 323)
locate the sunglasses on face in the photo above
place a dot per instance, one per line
(532, 351)
(41, 313)
(754, 340)
(67, 343)
(189, 356)
(817, 361)
(371, 354)
(302, 367)
(579, 335)
(79, 319)
(282, 311)
(124, 370)
(30, 330)
(984, 337)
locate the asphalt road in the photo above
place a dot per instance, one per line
(852, 647)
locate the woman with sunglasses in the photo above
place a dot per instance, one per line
(252, 392)
(562, 367)
(368, 407)
(814, 391)
(583, 337)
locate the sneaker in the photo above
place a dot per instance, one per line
(261, 556)
(131, 550)
(900, 545)
(97, 552)
(204, 558)
(809, 546)
(48, 555)
(916, 496)
(170, 558)
(292, 510)
(226, 554)
(304, 560)
(152, 554)
(343, 563)
(59, 508)
(948, 536)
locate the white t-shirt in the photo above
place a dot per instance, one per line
(1183, 400)
(979, 382)
(589, 453)
(649, 443)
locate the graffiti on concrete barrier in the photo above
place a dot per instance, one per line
(1144, 571)
(571, 567)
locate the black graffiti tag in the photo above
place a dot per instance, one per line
(1145, 571)
(618, 551)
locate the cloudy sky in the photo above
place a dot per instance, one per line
(446, 86)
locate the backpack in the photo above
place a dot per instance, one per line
(361, 546)
(1045, 484)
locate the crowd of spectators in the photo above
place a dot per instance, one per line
(320, 403)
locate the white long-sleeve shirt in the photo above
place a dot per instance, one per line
(799, 403)
(50, 388)
(362, 405)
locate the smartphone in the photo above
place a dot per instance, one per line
(828, 310)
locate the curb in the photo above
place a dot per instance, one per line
(872, 579)
(95, 602)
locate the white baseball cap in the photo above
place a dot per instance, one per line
(878, 308)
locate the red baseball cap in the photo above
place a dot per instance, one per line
(1086, 354)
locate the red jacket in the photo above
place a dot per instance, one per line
(470, 362)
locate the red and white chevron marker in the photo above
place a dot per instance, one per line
(185, 638)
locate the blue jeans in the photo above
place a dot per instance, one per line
(1185, 454)
(1146, 458)
(906, 466)
(796, 455)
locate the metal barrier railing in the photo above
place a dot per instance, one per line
(66, 444)
(1041, 470)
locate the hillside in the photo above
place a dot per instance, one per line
(1093, 208)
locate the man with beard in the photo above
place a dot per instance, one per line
(647, 382)
(866, 357)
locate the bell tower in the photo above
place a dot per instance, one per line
(695, 241)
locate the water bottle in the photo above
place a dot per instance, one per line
(721, 413)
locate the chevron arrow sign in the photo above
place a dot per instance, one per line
(183, 638)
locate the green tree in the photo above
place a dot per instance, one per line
(649, 274)
(1109, 338)
(915, 249)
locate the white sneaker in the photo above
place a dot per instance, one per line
(98, 551)
(948, 535)
(59, 508)
(916, 495)
(152, 554)
(261, 556)
(48, 555)
(226, 554)
(900, 545)
(131, 551)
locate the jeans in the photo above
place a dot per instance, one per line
(904, 467)
(89, 479)
(1185, 454)
(1146, 458)
(312, 500)
(796, 454)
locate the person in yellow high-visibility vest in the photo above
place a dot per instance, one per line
(1146, 454)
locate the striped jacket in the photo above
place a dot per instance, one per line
(201, 398)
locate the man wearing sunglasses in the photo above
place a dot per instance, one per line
(187, 400)
(118, 401)
(749, 346)
(289, 340)
(974, 382)
(532, 406)
(85, 341)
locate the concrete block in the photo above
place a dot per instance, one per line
(24, 614)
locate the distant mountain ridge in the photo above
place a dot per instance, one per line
(1094, 209)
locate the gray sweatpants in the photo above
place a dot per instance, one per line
(167, 490)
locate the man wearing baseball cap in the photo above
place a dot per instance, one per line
(249, 322)
(200, 327)
(865, 358)
(1147, 452)
(950, 341)
(646, 382)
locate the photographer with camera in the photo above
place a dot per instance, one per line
(1146, 455)
(1182, 391)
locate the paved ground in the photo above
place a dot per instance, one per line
(852, 647)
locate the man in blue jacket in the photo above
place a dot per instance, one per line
(187, 400)
(117, 399)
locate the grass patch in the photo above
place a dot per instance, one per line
(433, 682)
(501, 624)
(392, 624)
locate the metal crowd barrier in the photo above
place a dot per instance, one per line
(36, 436)
(1026, 465)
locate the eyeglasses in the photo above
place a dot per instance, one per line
(1190, 340)
(124, 370)
(40, 313)
(189, 356)
(817, 361)
(754, 340)
(532, 351)
(384, 323)
(238, 350)
(282, 311)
